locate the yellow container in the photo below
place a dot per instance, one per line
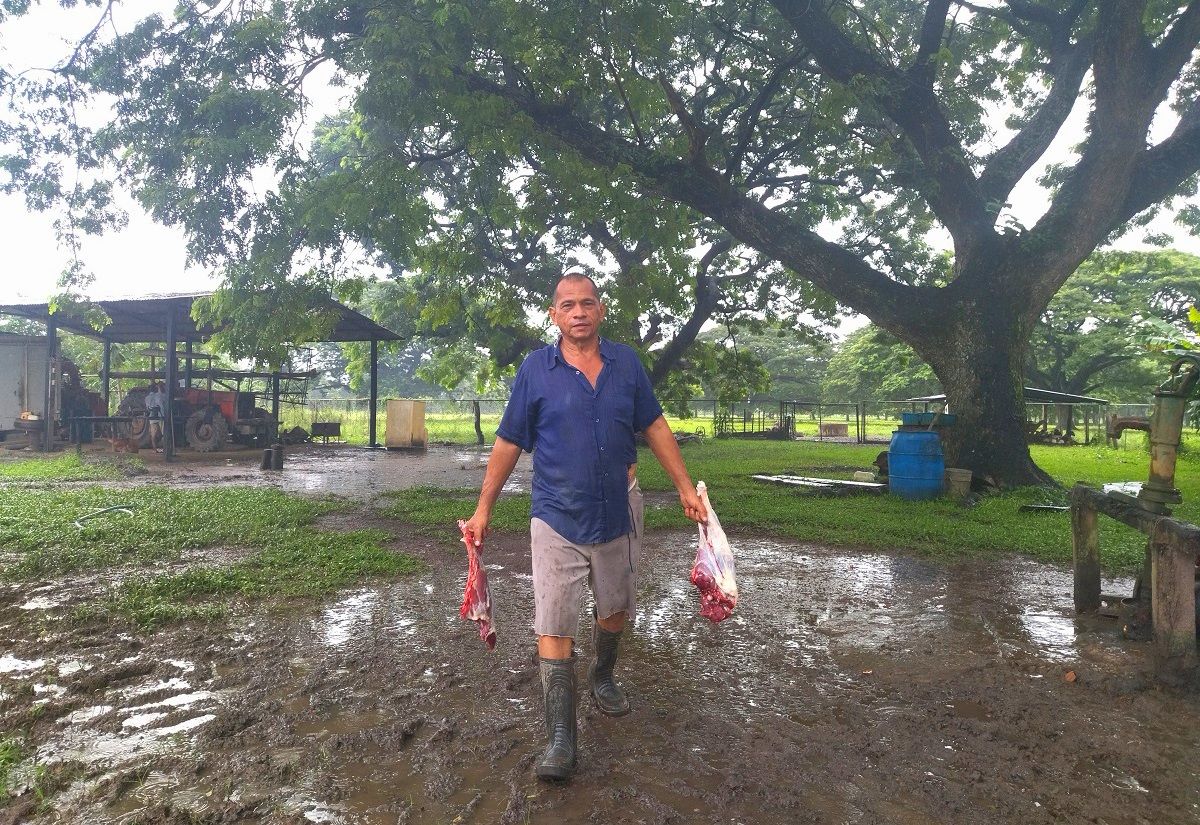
(405, 423)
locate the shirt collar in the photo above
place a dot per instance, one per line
(608, 352)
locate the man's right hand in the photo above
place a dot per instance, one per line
(477, 526)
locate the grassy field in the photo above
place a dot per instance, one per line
(994, 524)
(452, 422)
(67, 467)
(254, 544)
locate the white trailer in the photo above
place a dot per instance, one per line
(23, 374)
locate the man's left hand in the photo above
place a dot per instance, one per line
(693, 507)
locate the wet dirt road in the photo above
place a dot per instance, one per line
(847, 688)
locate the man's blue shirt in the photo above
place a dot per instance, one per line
(582, 438)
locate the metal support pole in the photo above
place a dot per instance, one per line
(275, 403)
(172, 381)
(187, 364)
(51, 380)
(105, 370)
(374, 393)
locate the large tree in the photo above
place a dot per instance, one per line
(829, 136)
(502, 236)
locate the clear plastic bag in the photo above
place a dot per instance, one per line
(713, 571)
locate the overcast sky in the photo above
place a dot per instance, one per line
(149, 258)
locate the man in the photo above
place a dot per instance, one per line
(576, 405)
(156, 402)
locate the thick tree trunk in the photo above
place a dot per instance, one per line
(978, 353)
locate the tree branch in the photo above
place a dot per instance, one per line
(697, 133)
(837, 271)
(706, 300)
(1163, 168)
(1176, 48)
(1009, 164)
(1093, 200)
(749, 118)
(948, 183)
(930, 41)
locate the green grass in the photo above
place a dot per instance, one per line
(294, 563)
(940, 528)
(435, 506)
(280, 553)
(11, 753)
(67, 467)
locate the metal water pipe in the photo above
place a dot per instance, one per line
(1166, 431)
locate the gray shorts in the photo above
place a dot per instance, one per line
(560, 568)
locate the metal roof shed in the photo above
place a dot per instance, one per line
(1033, 395)
(167, 319)
(1036, 395)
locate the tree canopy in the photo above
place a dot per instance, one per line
(872, 365)
(827, 139)
(1096, 336)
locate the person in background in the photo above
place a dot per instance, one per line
(156, 405)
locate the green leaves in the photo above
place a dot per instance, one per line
(1096, 333)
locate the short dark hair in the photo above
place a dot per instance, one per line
(574, 276)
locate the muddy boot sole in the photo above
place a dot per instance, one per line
(554, 773)
(607, 710)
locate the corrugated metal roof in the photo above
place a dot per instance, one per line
(144, 320)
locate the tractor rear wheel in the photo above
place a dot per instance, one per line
(206, 430)
(134, 405)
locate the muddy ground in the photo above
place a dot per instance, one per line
(849, 687)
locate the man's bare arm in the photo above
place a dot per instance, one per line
(499, 467)
(666, 450)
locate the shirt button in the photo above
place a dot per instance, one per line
(597, 420)
(601, 449)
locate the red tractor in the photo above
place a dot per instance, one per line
(204, 419)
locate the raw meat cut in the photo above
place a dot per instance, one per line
(713, 571)
(477, 601)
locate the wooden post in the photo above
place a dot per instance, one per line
(53, 377)
(105, 369)
(172, 382)
(1085, 549)
(1173, 562)
(275, 403)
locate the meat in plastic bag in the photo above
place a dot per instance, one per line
(713, 571)
(477, 601)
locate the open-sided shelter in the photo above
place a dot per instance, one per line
(167, 320)
(1036, 395)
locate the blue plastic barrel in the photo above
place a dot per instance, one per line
(915, 465)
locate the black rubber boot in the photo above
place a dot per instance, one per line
(558, 689)
(605, 690)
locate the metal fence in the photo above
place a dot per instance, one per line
(447, 420)
(474, 420)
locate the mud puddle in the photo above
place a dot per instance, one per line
(848, 687)
(312, 469)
